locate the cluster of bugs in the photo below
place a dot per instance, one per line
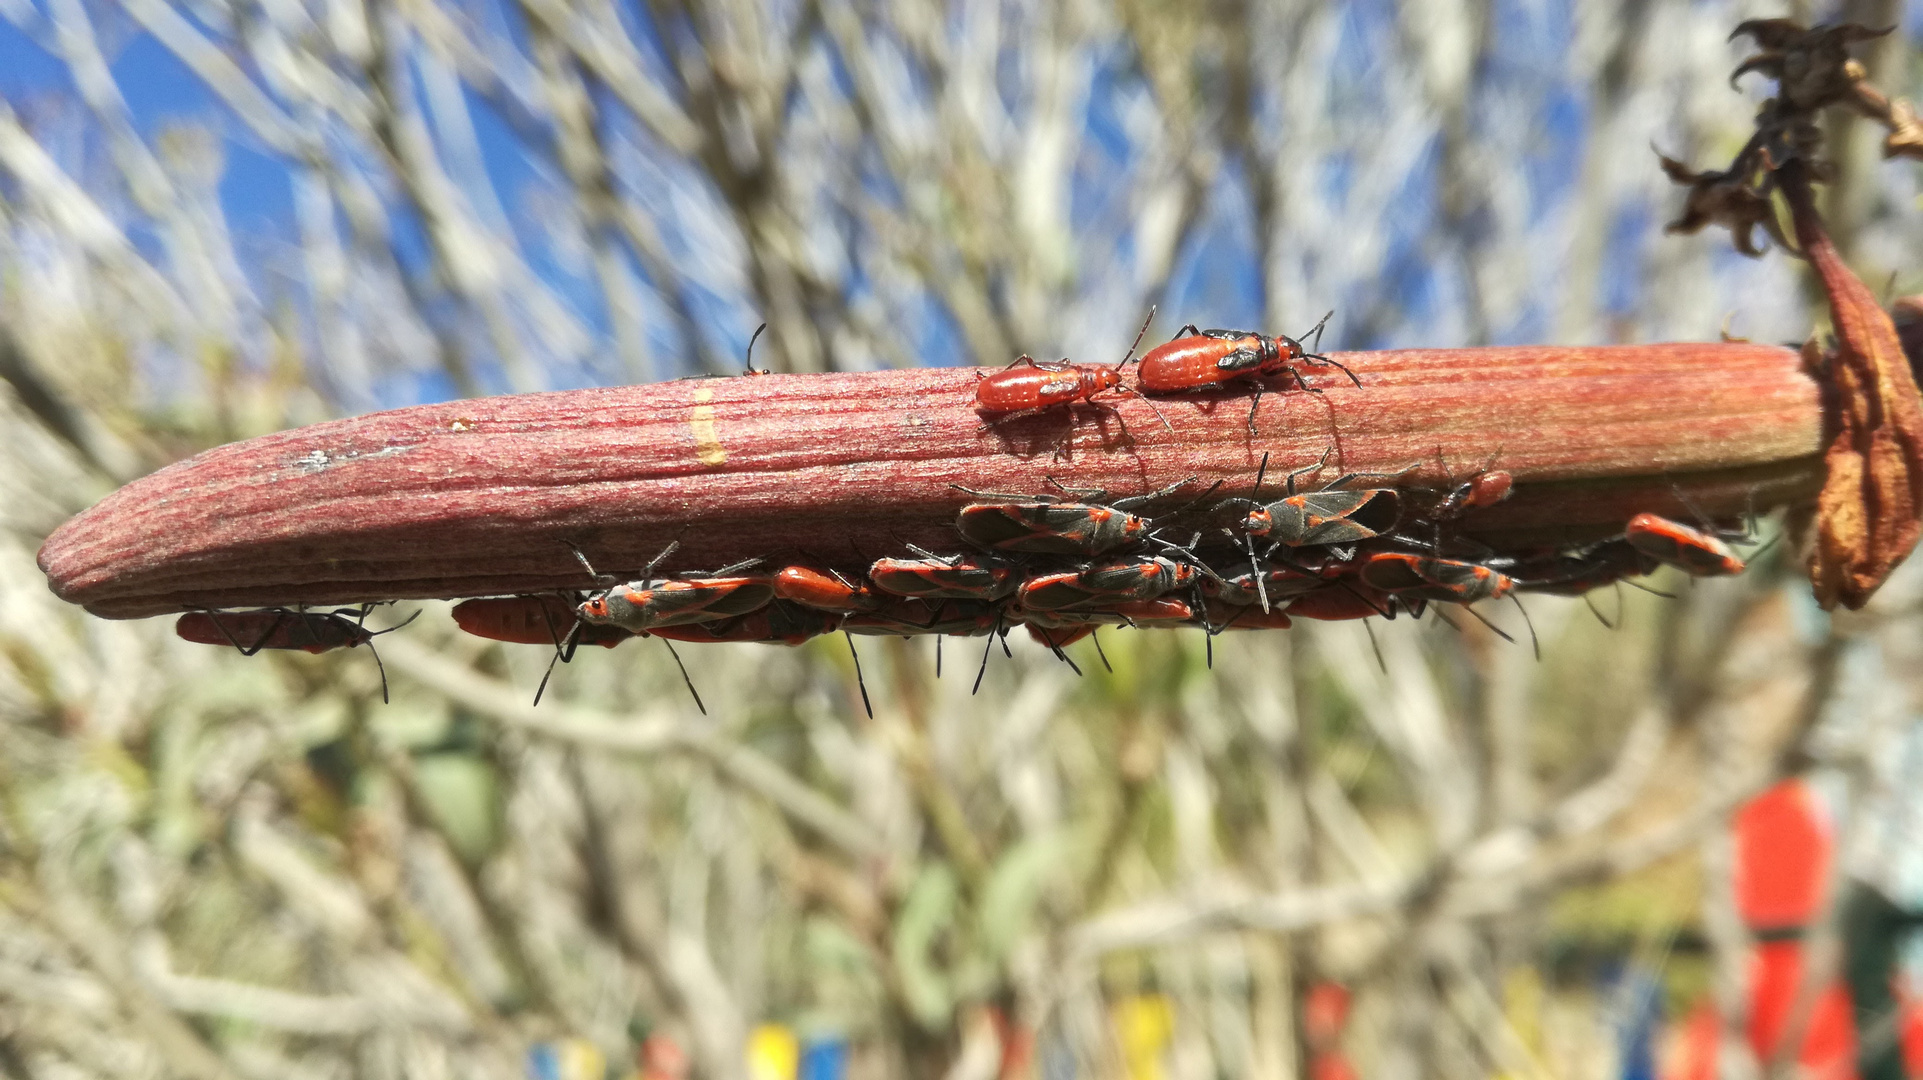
(1194, 360)
(1068, 563)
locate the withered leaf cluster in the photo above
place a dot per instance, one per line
(1867, 517)
(1813, 71)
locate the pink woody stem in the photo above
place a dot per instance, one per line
(484, 497)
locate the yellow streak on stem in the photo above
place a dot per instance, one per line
(707, 447)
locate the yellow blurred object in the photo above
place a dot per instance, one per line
(1144, 1025)
(773, 1053)
(566, 1059)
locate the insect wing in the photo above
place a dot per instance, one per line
(1053, 592)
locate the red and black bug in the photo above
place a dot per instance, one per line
(1117, 613)
(1425, 577)
(1248, 589)
(1199, 359)
(645, 603)
(1031, 385)
(1693, 551)
(1573, 573)
(537, 620)
(1225, 616)
(1059, 637)
(963, 618)
(282, 628)
(781, 622)
(827, 591)
(1331, 514)
(954, 577)
(1352, 600)
(1485, 488)
(1048, 527)
(1106, 584)
(533, 620)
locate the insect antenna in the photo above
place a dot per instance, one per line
(1130, 355)
(988, 649)
(1377, 646)
(951, 560)
(380, 667)
(1648, 589)
(733, 567)
(391, 629)
(1535, 642)
(1063, 657)
(752, 338)
(689, 683)
(1316, 330)
(1493, 628)
(1315, 353)
(1004, 494)
(859, 681)
(564, 652)
(1597, 612)
(1150, 402)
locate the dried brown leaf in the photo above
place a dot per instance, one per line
(1722, 198)
(1867, 515)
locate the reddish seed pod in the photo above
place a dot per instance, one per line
(1693, 551)
(274, 628)
(961, 578)
(532, 620)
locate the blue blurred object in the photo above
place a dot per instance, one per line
(824, 1057)
(1636, 996)
(566, 1059)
